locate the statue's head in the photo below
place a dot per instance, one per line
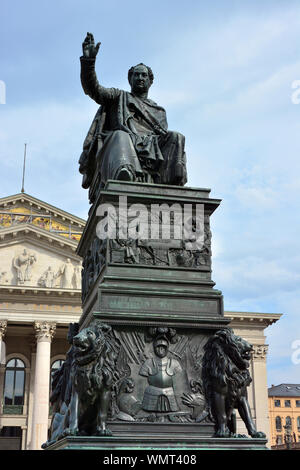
(161, 347)
(140, 78)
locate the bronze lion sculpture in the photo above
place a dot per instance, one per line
(225, 378)
(92, 376)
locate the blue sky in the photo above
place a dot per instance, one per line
(224, 72)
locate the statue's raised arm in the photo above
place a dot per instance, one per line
(88, 76)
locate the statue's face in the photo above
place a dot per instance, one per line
(140, 80)
(161, 350)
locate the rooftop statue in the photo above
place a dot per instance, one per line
(129, 138)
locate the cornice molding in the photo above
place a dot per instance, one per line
(252, 318)
(34, 291)
(23, 319)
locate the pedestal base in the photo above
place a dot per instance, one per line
(149, 442)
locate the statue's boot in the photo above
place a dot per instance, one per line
(124, 174)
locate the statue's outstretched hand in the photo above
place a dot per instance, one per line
(89, 48)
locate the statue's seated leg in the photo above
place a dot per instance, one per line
(119, 158)
(174, 168)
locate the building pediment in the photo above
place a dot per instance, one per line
(23, 209)
(31, 257)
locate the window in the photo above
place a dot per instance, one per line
(288, 421)
(278, 423)
(53, 380)
(298, 403)
(298, 423)
(14, 383)
(287, 403)
(277, 403)
(55, 366)
(10, 438)
(11, 431)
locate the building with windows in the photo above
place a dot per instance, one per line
(284, 412)
(40, 294)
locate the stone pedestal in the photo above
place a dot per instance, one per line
(157, 294)
(150, 282)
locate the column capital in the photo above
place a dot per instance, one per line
(44, 331)
(3, 328)
(260, 351)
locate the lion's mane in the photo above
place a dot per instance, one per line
(94, 366)
(224, 366)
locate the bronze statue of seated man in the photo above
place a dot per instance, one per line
(129, 138)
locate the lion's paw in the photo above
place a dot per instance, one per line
(70, 432)
(258, 435)
(45, 445)
(222, 433)
(104, 432)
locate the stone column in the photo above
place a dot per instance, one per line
(24, 433)
(44, 334)
(3, 327)
(260, 388)
(31, 392)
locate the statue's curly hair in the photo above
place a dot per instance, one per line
(150, 73)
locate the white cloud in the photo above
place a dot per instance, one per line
(259, 198)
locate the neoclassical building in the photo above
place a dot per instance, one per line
(40, 294)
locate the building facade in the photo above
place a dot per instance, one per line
(40, 294)
(284, 412)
